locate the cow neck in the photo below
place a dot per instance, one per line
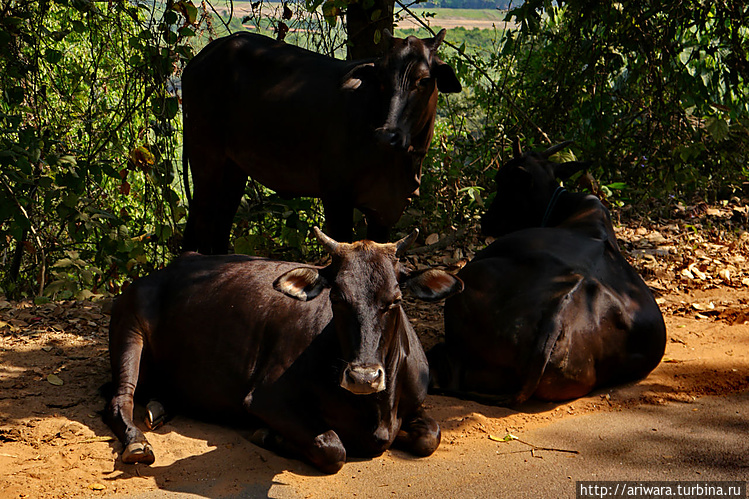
(552, 204)
(396, 350)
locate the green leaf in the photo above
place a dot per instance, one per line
(63, 263)
(13, 21)
(5, 39)
(718, 128)
(171, 107)
(85, 294)
(15, 95)
(58, 36)
(170, 17)
(331, 11)
(186, 32)
(79, 27)
(187, 9)
(507, 438)
(24, 165)
(54, 379)
(67, 160)
(242, 246)
(52, 56)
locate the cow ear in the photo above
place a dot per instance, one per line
(563, 171)
(435, 42)
(432, 284)
(303, 283)
(353, 78)
(447, 80)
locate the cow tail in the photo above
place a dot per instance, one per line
(541, 356)
(186, 176)
(546, 343)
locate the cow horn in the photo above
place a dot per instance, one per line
(402, 245)
(330, 244)
(555, 149)
(517, 151)
(387, 36)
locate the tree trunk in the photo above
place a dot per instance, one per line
(365, 25)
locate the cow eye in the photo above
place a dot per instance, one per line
(394, 304)
(335, 298)
(424, 82)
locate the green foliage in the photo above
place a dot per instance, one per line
(87, 183)
(655, 94)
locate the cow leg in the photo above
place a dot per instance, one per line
(377, 232)
(201, 216)
(420, 435)
(231, 191)
(339, 219)
(156, 415)
(325, 451)
(378, 229)
(442, 373)
(216, 196)
(126, 358)
(291, 434)
(205, 183)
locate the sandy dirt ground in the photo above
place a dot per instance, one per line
(53, 359)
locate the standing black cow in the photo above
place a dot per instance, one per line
(351, 133)
(325, 358)
(551, 308)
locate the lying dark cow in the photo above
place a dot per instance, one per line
(325, 358)
(351, 133)
(551, 308)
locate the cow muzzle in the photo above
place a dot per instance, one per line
(394, 137)
(363, 379)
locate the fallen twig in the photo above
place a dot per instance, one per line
(534, 447)
(92, 440)
(441, 244)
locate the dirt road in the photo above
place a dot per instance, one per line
(687, 420)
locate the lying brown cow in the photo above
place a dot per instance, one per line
(551, 308)
(325, 358)
(351, 133)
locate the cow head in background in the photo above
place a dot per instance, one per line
(526, 187)
(365, 280)
(409, 76)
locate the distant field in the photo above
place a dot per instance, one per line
(454, 18)
(443, 18)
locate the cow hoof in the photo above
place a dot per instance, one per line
(138, 452)
(262, 437)
(155, 415)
